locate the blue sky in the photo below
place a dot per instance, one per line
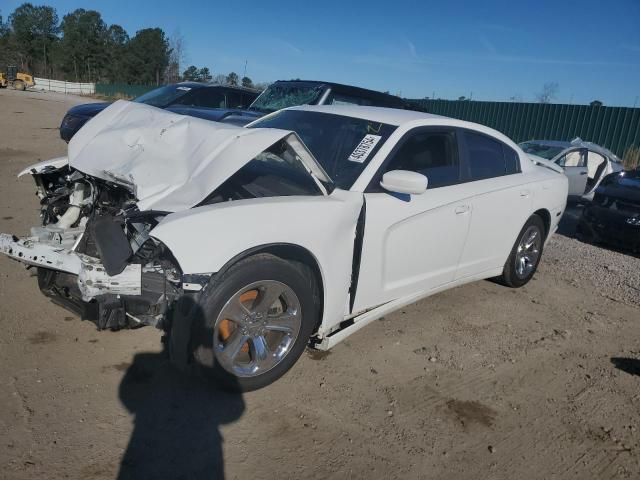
(490, 49)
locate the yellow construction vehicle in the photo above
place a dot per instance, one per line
(15, 79)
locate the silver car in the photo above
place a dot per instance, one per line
(585, 163)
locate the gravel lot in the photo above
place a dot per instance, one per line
(477, 382)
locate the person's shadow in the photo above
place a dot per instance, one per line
(177, 417)
(628, 365)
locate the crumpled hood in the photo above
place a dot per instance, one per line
(170, 162)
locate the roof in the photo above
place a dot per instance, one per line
(217, 85)
(390, 116)
(551, 143)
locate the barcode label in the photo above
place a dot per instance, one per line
(363, 149)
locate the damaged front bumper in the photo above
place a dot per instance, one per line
(139, 295)
(93, 281)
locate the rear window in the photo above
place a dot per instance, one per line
(489, 158)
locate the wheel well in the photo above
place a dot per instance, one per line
(288, 251)
(546, 219)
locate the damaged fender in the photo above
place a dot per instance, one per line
(324, 226)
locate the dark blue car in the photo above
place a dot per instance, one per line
(212, 102)
(613, 216)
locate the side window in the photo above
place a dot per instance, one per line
(247, 99)
(512, 160)
(572, 159)
(434, 154)
(204, 97)
(212, 98)
(234, 99)
(342, 99)
(489, 158)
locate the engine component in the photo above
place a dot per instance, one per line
(112, 243)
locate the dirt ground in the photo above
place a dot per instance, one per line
(478, 382)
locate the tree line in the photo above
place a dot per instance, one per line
(82, 47)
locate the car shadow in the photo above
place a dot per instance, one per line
(628, 365)
(569, 221)
(176, 432)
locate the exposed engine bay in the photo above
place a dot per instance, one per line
(118, 276)
(136, 187)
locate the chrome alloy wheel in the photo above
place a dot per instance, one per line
(257, 328)
(528, 251)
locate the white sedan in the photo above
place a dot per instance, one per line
(584, 163)
(248, 244)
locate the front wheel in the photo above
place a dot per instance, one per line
(525, 254)
(254, 322)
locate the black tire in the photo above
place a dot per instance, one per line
(510, 276)
(260, 267)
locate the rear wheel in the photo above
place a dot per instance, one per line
(525, 254)
(254, 322)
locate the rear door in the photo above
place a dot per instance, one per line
(500, 202)
(574, 163)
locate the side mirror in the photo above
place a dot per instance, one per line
(404, 181)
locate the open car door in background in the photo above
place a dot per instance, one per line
(574, 163)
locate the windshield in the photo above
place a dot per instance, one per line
(343, 146)
(283, 95)
(544, 151)
(163, 96)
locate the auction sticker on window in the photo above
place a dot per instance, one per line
(364, 148)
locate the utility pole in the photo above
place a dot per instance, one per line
(245, 69)
(44, 49)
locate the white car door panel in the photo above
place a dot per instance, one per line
(575, 168)
(500, 200)
(578, 177)
(500, 206)
(411, 244)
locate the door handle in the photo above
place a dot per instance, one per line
(460, 209)
(583, 173)
(524, 193)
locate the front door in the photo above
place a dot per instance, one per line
(412, 243)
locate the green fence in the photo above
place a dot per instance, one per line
(122, 90)
(613, 127)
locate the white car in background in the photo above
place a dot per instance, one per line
(584, 163)
(247, 244)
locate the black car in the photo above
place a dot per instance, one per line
(289, 93)
(212, 102)
(613, 216)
